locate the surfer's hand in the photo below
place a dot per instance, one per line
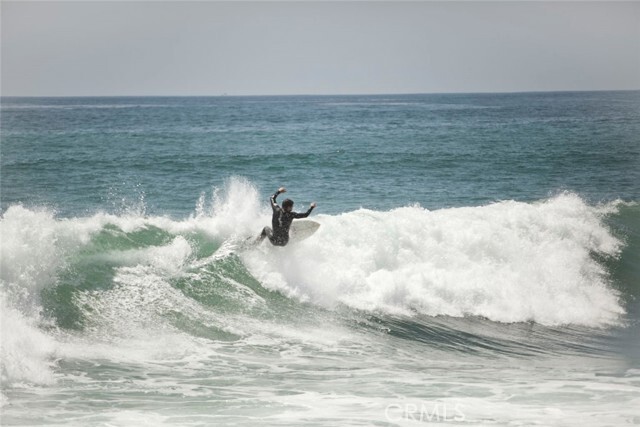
(282, 190)
(313, 205)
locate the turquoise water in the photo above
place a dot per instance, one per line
(79, 155)
(477, 261)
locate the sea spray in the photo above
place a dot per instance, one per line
(508, 262)
(152, 295)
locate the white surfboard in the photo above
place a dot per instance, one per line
(302, 229)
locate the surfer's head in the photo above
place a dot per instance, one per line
(287, 205)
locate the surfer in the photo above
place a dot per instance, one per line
(281, 220)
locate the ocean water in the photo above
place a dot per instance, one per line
(478, 261)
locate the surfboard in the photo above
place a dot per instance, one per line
(302, 229)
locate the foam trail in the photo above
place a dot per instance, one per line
(509, 262)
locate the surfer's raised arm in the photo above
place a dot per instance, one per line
(274, 204)
(297, 215)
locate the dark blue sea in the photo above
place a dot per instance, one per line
(477, 261)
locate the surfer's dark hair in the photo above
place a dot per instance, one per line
(287, 203)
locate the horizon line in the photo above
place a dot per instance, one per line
(225, 95)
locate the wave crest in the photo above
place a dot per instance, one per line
(508, 262)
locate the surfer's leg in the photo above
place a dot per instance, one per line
(266, 232)
(275, 240)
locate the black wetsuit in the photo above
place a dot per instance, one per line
(281, 222)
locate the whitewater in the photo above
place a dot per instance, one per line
(140, 298)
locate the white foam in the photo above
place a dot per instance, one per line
(26, 353)
(170, 258)
(509, 262)
(34, 248)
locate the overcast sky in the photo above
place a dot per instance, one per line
(245, 48)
